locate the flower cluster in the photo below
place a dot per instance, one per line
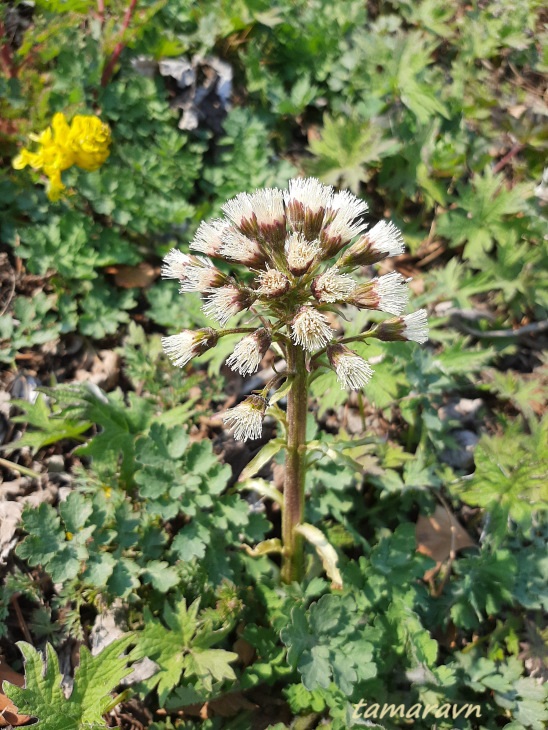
(84, 143)
(301, 244)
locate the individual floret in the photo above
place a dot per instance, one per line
(387, 293)
(187, 344)
(352, 370)
(332, 286)
(310, 328)
(223, 303)
(246, 419)
(383, 240)
(306, 202)
(249, 352)
(413, 327)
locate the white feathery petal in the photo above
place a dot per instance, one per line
(311, 329)
(386, 238)
(416, 326)
(239, 208)
(180, 348)
(392, 292)
(247, 356)
(246, 421)
(238, 247)
(223, 303)
(268, 206)
(310, 192)
(332, 286)
(199, 275)
(209, 237)
(344, 216)
(352, 371)
(175, 264)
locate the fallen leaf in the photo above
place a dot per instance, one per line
(132, 277)
(8, 711)
(245, 651)
(103, 371)
(439, 534)
(517, 110)
(229, 705)
(10, 514)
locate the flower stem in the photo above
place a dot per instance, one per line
(110, 65)
(297, 408)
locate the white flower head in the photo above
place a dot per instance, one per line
(272, 283)
(393, 293)
(413, 327)
(300, 253)
(240, 211)
(332, 286)
(200, 275)
(175, 264)
(352, 370)
(223, 303)
(249, 352)
(268, 208)
(342, 221)
(187, 344)
(383, 240)
(209, 237)
(306, 202)
(386, 238)
(387, 293)
(238, 247)
(310, 328)
(246, 419)
(416, 326)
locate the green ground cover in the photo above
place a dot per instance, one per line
(121, 514)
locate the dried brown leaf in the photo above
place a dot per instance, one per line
(440, 534)
(132, 277)
(8, 711)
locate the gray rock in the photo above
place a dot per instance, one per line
(461, 457)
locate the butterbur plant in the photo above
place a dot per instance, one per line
(303, 246)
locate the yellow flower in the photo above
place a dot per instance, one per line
(84, 143)
(89, 140)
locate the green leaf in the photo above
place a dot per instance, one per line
(75, 511)
(160, 575)
(50, 426)
(178, 647)
(191, 541)
(326, 645)
(348, 150)
(511, 473)
(485, 586)
(481, 215)
(45, 538)
(120, 425)
(124, 577)
(209, 665)
(267, 452)
(94, 679)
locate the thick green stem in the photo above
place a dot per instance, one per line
(295, 464)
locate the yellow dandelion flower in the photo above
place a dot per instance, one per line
(84, 143)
